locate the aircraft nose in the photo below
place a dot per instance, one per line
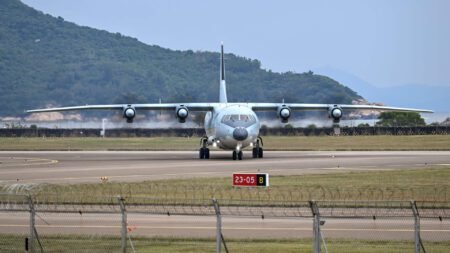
(240, 134)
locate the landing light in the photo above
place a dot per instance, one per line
(214, 144)
(251, 144)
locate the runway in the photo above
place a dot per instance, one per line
(233, 227)
(90, 166)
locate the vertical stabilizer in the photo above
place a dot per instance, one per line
(223, 86)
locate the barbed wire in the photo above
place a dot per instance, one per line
(101, 193)
(230, 207)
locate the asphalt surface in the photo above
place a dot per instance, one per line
(77, 167)
(233, 227)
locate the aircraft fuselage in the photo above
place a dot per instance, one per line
(232, 127)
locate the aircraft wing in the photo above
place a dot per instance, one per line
(311, 107)
(154, 107)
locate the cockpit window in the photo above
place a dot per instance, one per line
(238, 120)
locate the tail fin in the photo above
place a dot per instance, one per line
(223, 85)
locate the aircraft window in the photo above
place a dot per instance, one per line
(239, 120)
(234, 117)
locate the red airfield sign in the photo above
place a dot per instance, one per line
(250, 179)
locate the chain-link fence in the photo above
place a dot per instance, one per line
(199, 132)
(118, 224)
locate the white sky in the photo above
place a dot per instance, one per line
(383, 42)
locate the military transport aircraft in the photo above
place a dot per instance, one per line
(230, 126)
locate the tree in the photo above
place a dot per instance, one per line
(390, 119)
(129, 98)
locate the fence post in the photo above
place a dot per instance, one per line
(417, 240)
(123, 232)
(218, 226)
(316, 227)
(32, 224)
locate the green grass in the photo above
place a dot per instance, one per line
(432, 184)
(93, 143)
(381, 142)
(93, 244)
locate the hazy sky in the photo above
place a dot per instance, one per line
(382, 42)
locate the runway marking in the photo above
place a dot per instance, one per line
(228, 228)
(27, 161)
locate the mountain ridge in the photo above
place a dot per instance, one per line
(47, 61)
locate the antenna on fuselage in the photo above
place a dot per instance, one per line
(160, 111)
(222, 64)
(223, 86)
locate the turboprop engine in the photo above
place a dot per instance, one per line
(335, 112)
(129, 113)
(182, 113)
(284, 113)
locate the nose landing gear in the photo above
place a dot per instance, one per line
(237, 155)
(258, 150)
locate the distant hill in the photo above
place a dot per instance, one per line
(411, 95)
(48, 61)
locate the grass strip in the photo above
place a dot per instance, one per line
(306, 143)
(93, 244)
(432, 184)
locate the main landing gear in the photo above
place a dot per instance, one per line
(258, 150)
(203, 153)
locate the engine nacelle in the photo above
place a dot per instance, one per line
(284, 112)
(335, 112)
(182, 113)
(211, 140)
(129, 113)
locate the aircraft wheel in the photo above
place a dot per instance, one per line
(260, 153)
(240, 155)
(255, 153)
(234, 155)
(206, 153)
(201, 153)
